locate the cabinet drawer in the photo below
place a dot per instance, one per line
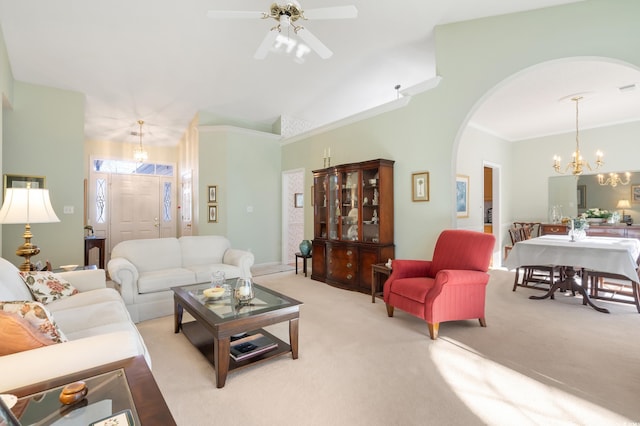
(558, 229)
(342, 264)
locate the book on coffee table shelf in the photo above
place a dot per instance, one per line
(251, 346)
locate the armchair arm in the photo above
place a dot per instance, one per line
(409, 269)
(456, 294)
(125, 274)
(240, 258)
(85, 280)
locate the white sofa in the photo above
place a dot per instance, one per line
(145, 270)
(95, 322)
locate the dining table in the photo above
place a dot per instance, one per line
(603, 254)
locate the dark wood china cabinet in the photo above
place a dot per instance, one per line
(353, 222)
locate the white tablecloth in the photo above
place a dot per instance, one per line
(604, 254)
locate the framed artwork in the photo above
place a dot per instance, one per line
(462, 196)
(420, 186)
(298, 200)
(213, 214)
(20, 181)
(582, 196)
(213, 193)
(635, 194)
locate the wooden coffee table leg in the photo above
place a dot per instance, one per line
(293, 337)
(177, 316)
(221, 360)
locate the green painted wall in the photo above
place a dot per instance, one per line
(246, 168)
(473, 58)
(44, 135)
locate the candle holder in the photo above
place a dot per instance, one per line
(244, 291)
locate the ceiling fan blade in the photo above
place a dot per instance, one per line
(338, 12)
(234, 14)
(266, 44)
(314, 43)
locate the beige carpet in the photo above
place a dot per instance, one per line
(548, 362)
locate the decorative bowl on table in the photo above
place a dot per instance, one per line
(68, 268)
(213, 292)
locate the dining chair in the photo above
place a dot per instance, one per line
(620, 287)
(532, 275)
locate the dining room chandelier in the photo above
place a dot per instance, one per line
(614, 179)
(139, 154)
(577, 164)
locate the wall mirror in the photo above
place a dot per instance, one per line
(575, 195)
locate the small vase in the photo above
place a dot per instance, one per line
(305, 247)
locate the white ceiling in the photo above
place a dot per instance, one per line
(164, 60)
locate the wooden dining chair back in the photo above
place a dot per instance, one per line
(532, 275)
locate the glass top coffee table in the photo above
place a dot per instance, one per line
(219, 322)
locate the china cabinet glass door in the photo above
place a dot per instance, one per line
(333, 206)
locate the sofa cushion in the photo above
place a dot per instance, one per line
(203, 272)
(87, 298)
(203, 249)
(164, 279)
(37, 315)
(151, 254)
(18, 334)
(91, 316)
(47, 286)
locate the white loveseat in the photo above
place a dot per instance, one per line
(95, 322)
(145, 270)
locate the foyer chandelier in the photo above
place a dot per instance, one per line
(139, 154)
(614, 179)
(577, 163)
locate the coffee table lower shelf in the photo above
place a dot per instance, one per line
(200, 337)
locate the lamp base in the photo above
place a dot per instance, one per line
(27, 250)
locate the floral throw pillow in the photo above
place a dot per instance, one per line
(47, 286)
(38, 316)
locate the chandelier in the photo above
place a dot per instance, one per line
(614, 179)
(139, 154)
(577, 163)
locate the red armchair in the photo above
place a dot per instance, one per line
(450, 287)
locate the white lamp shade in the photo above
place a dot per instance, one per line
(27, 205)
(623, 204)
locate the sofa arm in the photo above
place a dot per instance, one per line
(86, 280)
(48, 362)
(240, 258)
(125, 274)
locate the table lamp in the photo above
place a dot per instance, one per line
(27, 205)
(623, 204)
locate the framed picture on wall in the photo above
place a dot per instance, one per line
(420, 186)
(213, 193)
(213, 214)
(635, 194)
(21, 181)
(462, 196)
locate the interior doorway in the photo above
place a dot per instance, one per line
(491, 210)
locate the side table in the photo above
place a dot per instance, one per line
(97, 242)
(148, 404)
(304, 258)
(376, 269)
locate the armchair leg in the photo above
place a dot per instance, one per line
(433, 330)
(389, 310)
(483, 322)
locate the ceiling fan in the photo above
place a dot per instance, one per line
(287, 16)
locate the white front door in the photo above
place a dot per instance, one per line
(135, 207)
